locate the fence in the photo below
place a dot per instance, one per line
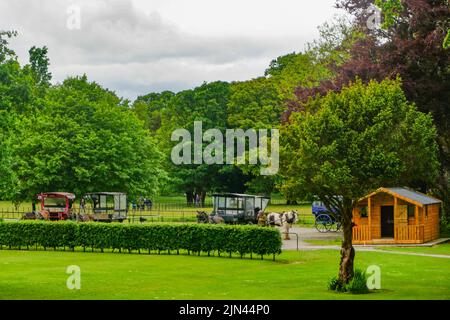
(161, 212)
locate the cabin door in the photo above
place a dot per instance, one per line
(387, 221)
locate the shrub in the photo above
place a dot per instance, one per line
(160, 237)
(358, 284)
(336, 285)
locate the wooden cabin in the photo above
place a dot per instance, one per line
(396, 216)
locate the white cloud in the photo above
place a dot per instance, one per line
(137, 46)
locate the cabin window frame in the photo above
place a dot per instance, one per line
(364, 212)
(411, 211)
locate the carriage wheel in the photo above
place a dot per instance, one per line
(323, 223)
(335, 225)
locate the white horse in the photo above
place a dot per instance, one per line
(289, 218)
(275, 219)
(284, 219)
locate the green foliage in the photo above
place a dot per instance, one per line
(335, 284)
(355, 141)
(165, 112)
(446, 43)
(358, 284)
(445, 227)
(278, 65)
(5, 52)
(32, 233)
(149, 109)
(255, 104)
(391, 10)
(259, 103)
(333, 47)
(39, 64)
(83, 140)
(155, 237)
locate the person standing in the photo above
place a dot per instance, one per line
(261, 218)
(82, 206)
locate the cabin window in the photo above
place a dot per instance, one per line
(364, 212)
(411, 211)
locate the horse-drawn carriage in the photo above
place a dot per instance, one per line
(106, 206)
(98, 206)
(235, 208)
(56, 205)
(53, 206)
(326, 220)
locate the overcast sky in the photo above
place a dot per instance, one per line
(138, 46)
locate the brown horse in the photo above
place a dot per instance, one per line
(85, 217)
(203, 217)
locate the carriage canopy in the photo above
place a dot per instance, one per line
(239, 208)
(56, 205)
(108, 206)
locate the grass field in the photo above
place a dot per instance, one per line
(439, 249)
(294, 275)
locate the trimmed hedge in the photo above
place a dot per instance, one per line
(151, 237)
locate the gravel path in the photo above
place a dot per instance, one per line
(309, 234)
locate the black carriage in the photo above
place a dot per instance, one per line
(107, 206)
(237, 208)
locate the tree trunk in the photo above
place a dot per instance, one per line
(347, 250)
(203, 198)
(189, 198)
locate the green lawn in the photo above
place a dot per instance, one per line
(439, 249)
(294, 275)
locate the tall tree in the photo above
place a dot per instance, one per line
(17, 89)
(259, 103)
(39, 64)
(84, 139)
(165, 112)
(344, 145)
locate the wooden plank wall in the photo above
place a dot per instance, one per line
(431, 222)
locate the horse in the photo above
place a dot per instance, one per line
(203, 217)
(36, 215)
(284, 219)
(274, 219)
(84, 217)
(29, 216)
(288, 219)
